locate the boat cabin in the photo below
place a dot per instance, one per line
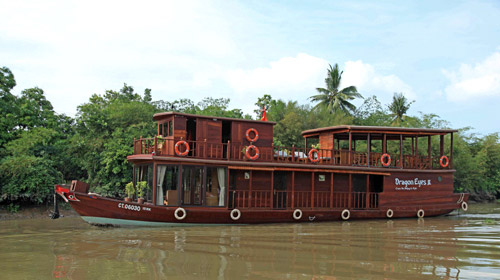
(232, 163)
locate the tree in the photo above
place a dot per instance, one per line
(8, 106)
(333, 98)
(399, 106)
(371, 112)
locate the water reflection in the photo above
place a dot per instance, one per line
(446, 247)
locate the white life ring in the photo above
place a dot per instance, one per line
(420, 213)
(297, 214)
(183, 214)
(465, 206)
(345, 215)
(235, 214)
(389, 213)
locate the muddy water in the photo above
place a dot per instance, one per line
(463, 247)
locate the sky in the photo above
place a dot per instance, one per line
(444, 55)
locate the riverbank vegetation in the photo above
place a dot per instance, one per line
(39, 148)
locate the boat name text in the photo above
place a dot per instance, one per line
(411, 185)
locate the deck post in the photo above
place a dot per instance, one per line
(413, 145)
(312, 189)
(441, 145)
(451, 151)
(272, 153)
(205, 148)
(350, 148)
(154, 182)
(331, 190)
(416, 145)
(368, 140)
(384, 144)
(293, 152)
(367, 198)
(250, 190)
(271, 197)
(349, 198)
(180, 187)
(228, 149)
(156, 144)
(293, 189)
(332, 156)
(227, 189)
(401, 150)
(429, 151)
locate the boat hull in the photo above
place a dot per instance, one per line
(103, 211)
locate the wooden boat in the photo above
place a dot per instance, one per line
(212, 170)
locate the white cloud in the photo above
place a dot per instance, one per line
(369, 82)
(470, 82)
(286, 76)
(73, 49)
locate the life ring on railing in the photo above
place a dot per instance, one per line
(178, 144)
(421, 213)
(385, 160)
(444, 161)
(389, 213)
(297, 214)
(346, 214)
(255, 138)
(310, 155)
(465, 206)
(235, 214)
(182, 215)
(247, 152)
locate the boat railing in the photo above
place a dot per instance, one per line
(240, 152)
(302, 199)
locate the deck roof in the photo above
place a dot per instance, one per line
(159, 116)
(377, 130)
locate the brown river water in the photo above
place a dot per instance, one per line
(451, 247)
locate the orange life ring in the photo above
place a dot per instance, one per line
(255, 138)
(385, 159)
(442, 160)
(247, 152)
(177, 145)
(310, 155)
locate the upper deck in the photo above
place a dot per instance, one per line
(216, 138)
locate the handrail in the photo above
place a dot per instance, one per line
(237, 152)
(302, 199)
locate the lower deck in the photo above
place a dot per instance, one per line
(239, 187)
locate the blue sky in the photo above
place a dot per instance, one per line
(445, 55)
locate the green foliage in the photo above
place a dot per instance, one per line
(333, 98)
(399, 106)
(28, 178)
(8, 107)
(13, 208)
(106, 127)
(141, 187)
(129, 189)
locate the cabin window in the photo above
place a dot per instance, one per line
(166, 128)
(192, 181)
(215, 192)
(145, 173)
(203, 186)
(166, 185)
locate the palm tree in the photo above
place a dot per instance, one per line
(399, 106)
(333, 98)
